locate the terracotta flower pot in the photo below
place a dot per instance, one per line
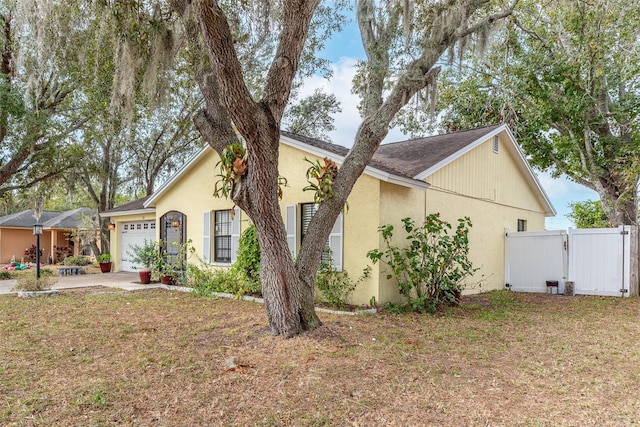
(105, 267)
(167, 280)
(145, 276)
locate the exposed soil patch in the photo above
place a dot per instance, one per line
(156, 358)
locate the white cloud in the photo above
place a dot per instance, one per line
(348, 121)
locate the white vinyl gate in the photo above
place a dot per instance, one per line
(532, 258)
(596, 260)
(599, 261)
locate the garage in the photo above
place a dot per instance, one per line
(132, 234)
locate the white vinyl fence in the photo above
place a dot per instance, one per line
(532, 258)
(597, 261)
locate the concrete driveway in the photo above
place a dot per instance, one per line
(122, 280)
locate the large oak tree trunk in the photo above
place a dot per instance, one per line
(620, 209)
(289, 301)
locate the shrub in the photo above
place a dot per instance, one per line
(145, 255)
(234, 282)
(201, 280)
(248, 261)
(77, 260)
(228, 280)
(63, 252)
(335, 286)
(30, 254)
(30, 283)
(104, 258)
(430, 270)
(5, 275)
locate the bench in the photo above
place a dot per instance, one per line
(69, 271)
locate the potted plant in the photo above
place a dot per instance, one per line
(105, 262)
(146, 256)
(171, 262)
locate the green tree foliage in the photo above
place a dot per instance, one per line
(429, 271)
(588, 214)
(37, 118)
(112, 128)
(566, 76)
(312, 115)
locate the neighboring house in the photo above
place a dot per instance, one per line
(16, 233)
(481, 173)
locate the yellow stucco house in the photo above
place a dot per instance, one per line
(480, 173)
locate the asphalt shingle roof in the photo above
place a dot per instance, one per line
(376, 163)
(131, 206)
(49, 219)
(417, 155)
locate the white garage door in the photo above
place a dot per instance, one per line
(134, 233)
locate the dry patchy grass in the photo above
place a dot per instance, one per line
(157, 358)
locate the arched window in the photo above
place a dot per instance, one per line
(173, 233)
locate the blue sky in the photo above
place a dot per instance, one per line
(344, 50)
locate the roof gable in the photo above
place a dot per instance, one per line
(424, 156)
(417, 155)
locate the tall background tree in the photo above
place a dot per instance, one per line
(588, 214)
(37, 120)
(64, 122)
(311, 116)
(566, 76)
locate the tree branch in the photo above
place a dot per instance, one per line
(31, 183)
(297, 18)
(233, 93)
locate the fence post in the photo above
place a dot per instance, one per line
(634, 263)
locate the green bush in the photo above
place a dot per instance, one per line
(5, 275)
(201, 280)
(430, 270)
(241, 279)
(335, 287)
(76, 260)
(227, 280)
(248, 261)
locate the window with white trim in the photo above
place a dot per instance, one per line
(333, 249)
(222, 236)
